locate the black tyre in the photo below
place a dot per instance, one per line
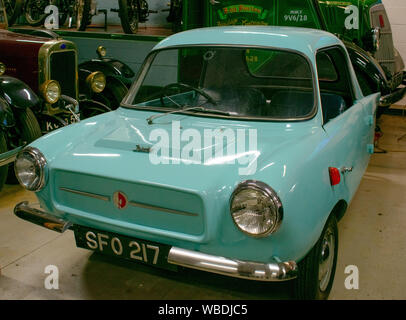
(13, 9)
(317, 269)
(28, 130)
(3, 169)
(35, 12)
(129, 15)
(82, 14)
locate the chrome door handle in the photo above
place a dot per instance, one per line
(346, 169)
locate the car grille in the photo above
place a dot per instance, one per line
(63, 70)
(152, 206)
(386, 52)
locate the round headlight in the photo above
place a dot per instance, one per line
(96, 81)
(30, 169)
(256, 209)
(51, 91)
(101, 51)
(2, 68)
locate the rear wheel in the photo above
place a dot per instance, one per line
(13, 9)
(28, 130)
(129, 15)
(35, 12)
(317, 269)
(3, 169)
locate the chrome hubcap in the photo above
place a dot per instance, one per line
(326, 259)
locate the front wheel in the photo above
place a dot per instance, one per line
(316, 271)
(3, 169)
(129, 15)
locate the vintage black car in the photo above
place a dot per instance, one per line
(42, 85)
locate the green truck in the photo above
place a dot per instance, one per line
(363, 25)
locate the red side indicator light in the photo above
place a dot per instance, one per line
(381, 21)
(335, 176)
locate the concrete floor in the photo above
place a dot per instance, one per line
(371, 235)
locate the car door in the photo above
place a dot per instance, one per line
(349, 123)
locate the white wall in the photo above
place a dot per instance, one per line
(397, 15)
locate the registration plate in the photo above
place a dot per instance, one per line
(124, 247)
(54, 124)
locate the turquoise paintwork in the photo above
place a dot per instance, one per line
(97, 156)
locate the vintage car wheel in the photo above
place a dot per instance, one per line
(13, 9)
(29, 130)
(317, 269)
(129, 15)
(82, 12)
(3, 169)
(35, 12)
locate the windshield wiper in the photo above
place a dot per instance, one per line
(151, 119)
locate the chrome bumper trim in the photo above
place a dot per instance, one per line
(277, 271)
(38, 217)
(9, 156)
(395, 96)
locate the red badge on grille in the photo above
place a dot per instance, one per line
(120, 200)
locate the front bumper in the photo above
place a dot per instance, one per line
(276, 271)
(9, 156)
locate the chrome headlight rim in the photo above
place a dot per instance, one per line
(44, 90)
(101, 51)
(92, 82)
(2, 68)
(42, 165)
(267, 191)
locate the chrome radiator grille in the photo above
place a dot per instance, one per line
(386, 52)
(63, 69)
(146, 205)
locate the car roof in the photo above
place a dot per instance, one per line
(304, 40)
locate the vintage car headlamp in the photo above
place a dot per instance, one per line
(2, 68)
(51, 91)
(101, 51)
(96, 81)
(256, 209)
(31, 169)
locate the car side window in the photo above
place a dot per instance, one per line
(336, 90)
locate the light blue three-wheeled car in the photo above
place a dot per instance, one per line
(235, 152)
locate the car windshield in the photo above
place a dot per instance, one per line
(226, 81)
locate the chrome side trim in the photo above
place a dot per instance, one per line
(86, 194)
(145, 206)
(38, 217)
(277, 271)
(131, 203)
